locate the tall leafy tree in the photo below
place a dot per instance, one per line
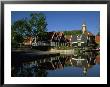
(38, 24)
(18, 30)
(35, 26)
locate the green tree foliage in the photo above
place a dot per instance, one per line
(17, 32)
(35, 26)
(38, 22)
(73, 32)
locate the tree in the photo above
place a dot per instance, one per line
(38, 23)
(35, 26)
(18, 31)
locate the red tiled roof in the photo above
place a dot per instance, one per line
(97, 39)
(88, 33)
(60, 33)
(68, 37)
(50, 34)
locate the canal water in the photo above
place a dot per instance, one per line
(84, 65)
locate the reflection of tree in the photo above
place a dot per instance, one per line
(84, 60)
(41, 73)
(28, 72)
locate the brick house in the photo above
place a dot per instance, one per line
(27, 41)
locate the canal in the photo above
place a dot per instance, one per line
(87, 64)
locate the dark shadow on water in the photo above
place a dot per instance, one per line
(85, 64)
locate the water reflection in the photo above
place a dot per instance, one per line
(44, 66)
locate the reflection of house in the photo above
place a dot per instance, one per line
(58, 62)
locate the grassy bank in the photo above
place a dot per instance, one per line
(63, 48)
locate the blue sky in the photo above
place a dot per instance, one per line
(65, 20)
